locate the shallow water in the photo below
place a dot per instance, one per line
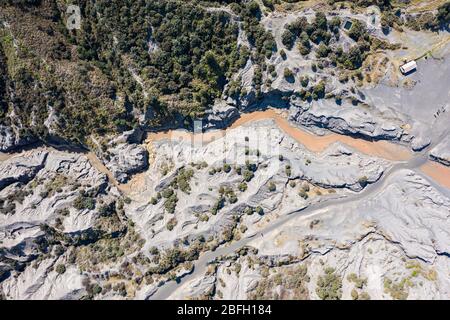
(314, 143)
(382, 149)
(438, 172)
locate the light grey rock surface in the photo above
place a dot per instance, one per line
(126, 160)
(10, 139)
(441, 153)
(221, 115)
(337, 168)
(125, 155)
(400, 235)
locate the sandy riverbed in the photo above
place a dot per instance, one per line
(438, 172)
(314, 143)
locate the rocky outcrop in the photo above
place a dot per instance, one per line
(10, 139)
(221, 115)
(346, 119)
(126, 160)
(338, 168)
(21, 169)
(125, 155)
(441, 153)
(393, 245)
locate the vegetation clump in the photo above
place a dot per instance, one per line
(292, 280)
(60, 268)
(182, 180)
(329, 285)
(84, 201)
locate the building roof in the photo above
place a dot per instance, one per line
(407, 67)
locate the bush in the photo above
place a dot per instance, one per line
(242, 187)
(226, 168)
(304, 81)
(167, 193)
(288, 39)
(248, 175)
(83, 202)
(319, 90)
(272, 187)
(303, 194)
(182, 180)
(363, 181)
(96, 289)
(171, 224)
(259, 210)
(357, 31)
(60, 268)
(322, 51)
(329, 285)
(220, 203)
(288, 170)
(335, 23)
(171, 203)
(288, 74)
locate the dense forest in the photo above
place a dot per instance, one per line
(146, 62)
(170, 57)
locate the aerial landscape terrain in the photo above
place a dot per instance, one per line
(224, 149)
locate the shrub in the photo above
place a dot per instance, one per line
(226, 168)
(218, 205)
(259, 210)
(319, 90)
(303, 194)
(329, 285)
(335, 23)
(288, 170)
(96, 289)
(304, 81)
(322, 51)
(60, 268)
(288, 74)
(83, 202)
(171, 203)
(248, 175)
(363, 181)
(171, 224)
(288, 39)
(242, 187)
(272, 187)
(167, 193)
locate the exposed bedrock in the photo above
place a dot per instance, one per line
(10, 139)
(125, 156)
(441, 153)
(392, 245)
(275, 185)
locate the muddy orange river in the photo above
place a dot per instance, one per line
(315, 143)
(438, 172)
(382, 149)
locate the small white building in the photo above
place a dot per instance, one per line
(408, 67)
